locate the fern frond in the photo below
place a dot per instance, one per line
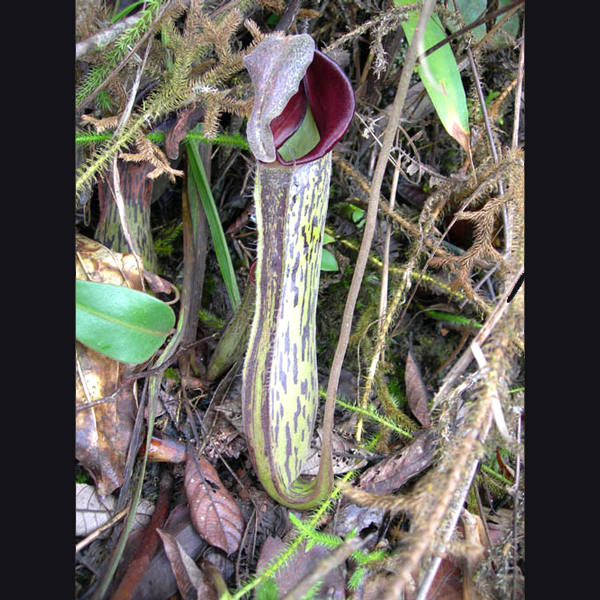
(371, 413)
(101, 125)
(254, 29)
(151, 153)
(315, 537)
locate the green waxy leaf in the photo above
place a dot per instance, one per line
(441, 78)
(471, 10)
(121, 323)
(328, 261)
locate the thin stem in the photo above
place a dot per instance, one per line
(386, 254)
(363, 253)
(515, 136)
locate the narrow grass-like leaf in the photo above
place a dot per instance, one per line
(214, 222)
(126, 11)
(121, 323)
(441, 78)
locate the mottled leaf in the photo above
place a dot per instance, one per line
(215, 514)
(416, 392)
(191, 581)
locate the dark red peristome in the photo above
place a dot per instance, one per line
(287, 123)
(331, 100)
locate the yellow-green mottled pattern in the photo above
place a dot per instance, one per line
(280, 387)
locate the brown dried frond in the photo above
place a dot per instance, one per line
(497, 105)
(380, 26)
(222, 71)
(254, 29)
(308, 13)
(150, 152)
(211, 118)
(277, 6)
(217, 102)
(89, 14)
(103, 124)
(118, 92)
(219, 35)
(485, 219)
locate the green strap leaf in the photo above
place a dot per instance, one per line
(214, 223)
(441, 78)
(121, 323)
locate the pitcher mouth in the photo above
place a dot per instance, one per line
(303, 101)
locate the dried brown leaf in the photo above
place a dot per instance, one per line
(187, 118)
(95, 262)
(302, 563)
(351, 516)
(343, 461)
(102, 431)
(91, 512)
(215, 514)
(225, 440)
(191, 581)
(159, 580)
(416, 392)
(392, 473)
